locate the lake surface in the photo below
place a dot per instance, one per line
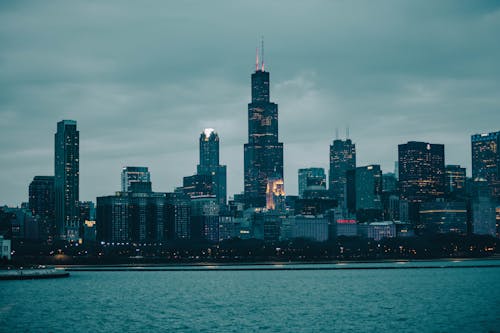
(342, 300)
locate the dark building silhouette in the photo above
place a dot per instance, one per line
(454, 180)
(66, 183)
(143, 217)
(134, 174)
(421, 177)
(311, 177)
(209, 164)
(444, 216)
(263, 154)
(41, 205)
(486, 160)
(342, 159)
(201, 185)
(364, 193)
(389, 182)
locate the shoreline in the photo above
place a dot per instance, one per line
(296, 266)
(33, 273)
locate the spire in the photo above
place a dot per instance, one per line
(262, 53)
(256, 59)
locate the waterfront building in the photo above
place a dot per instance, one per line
(142, 217)
(5, 248)
(134, 174)
(444, 216)
(311, 177)
(342, 159)
(483, 209)
(421, 177)
(67, 178)
(41, 205)
(205, 218)
(178, 216)
(263, 154)
(209, 164)
(378, 230)
(315, 228)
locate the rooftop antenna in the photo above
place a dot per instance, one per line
(256, 58)
(347, 132)
(336, 133)
(262, 53)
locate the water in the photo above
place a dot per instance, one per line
(410, 300)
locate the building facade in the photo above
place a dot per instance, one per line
(209, 164)
(311, 177)
(421, 177)
(67, 180)
(486, 160)
(41, 205)
(444, 217)
(342, 159)
(454, 180)
(134, 174)
(263, 154)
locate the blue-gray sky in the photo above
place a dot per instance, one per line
(143, 78)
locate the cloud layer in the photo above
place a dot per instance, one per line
(144, 79)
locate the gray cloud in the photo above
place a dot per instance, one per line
(143, 80)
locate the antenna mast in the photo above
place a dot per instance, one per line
(262, 53)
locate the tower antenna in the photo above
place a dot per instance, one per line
(336, 133)
(347, 132)
(262, 53)
(256, 58)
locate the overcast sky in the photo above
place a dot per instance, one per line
(143, 78)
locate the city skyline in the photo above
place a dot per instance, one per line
(423, 97)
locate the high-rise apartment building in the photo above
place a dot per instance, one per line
(66, 183)
(263, 154)
(209, 164)
(41, 205)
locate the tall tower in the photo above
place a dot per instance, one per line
(421, 176)
(209, 163)
(486, 160)
(66, 182)
(263, 154)
(342, 159)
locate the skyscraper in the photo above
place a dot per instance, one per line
(134, 174)
(66, 183)
(486, 160)
(454, 179)
(342, 159)
(311, 177)
(421, 175)
(364, 192)
(209, 163)
(41, 204)
(263, 154)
